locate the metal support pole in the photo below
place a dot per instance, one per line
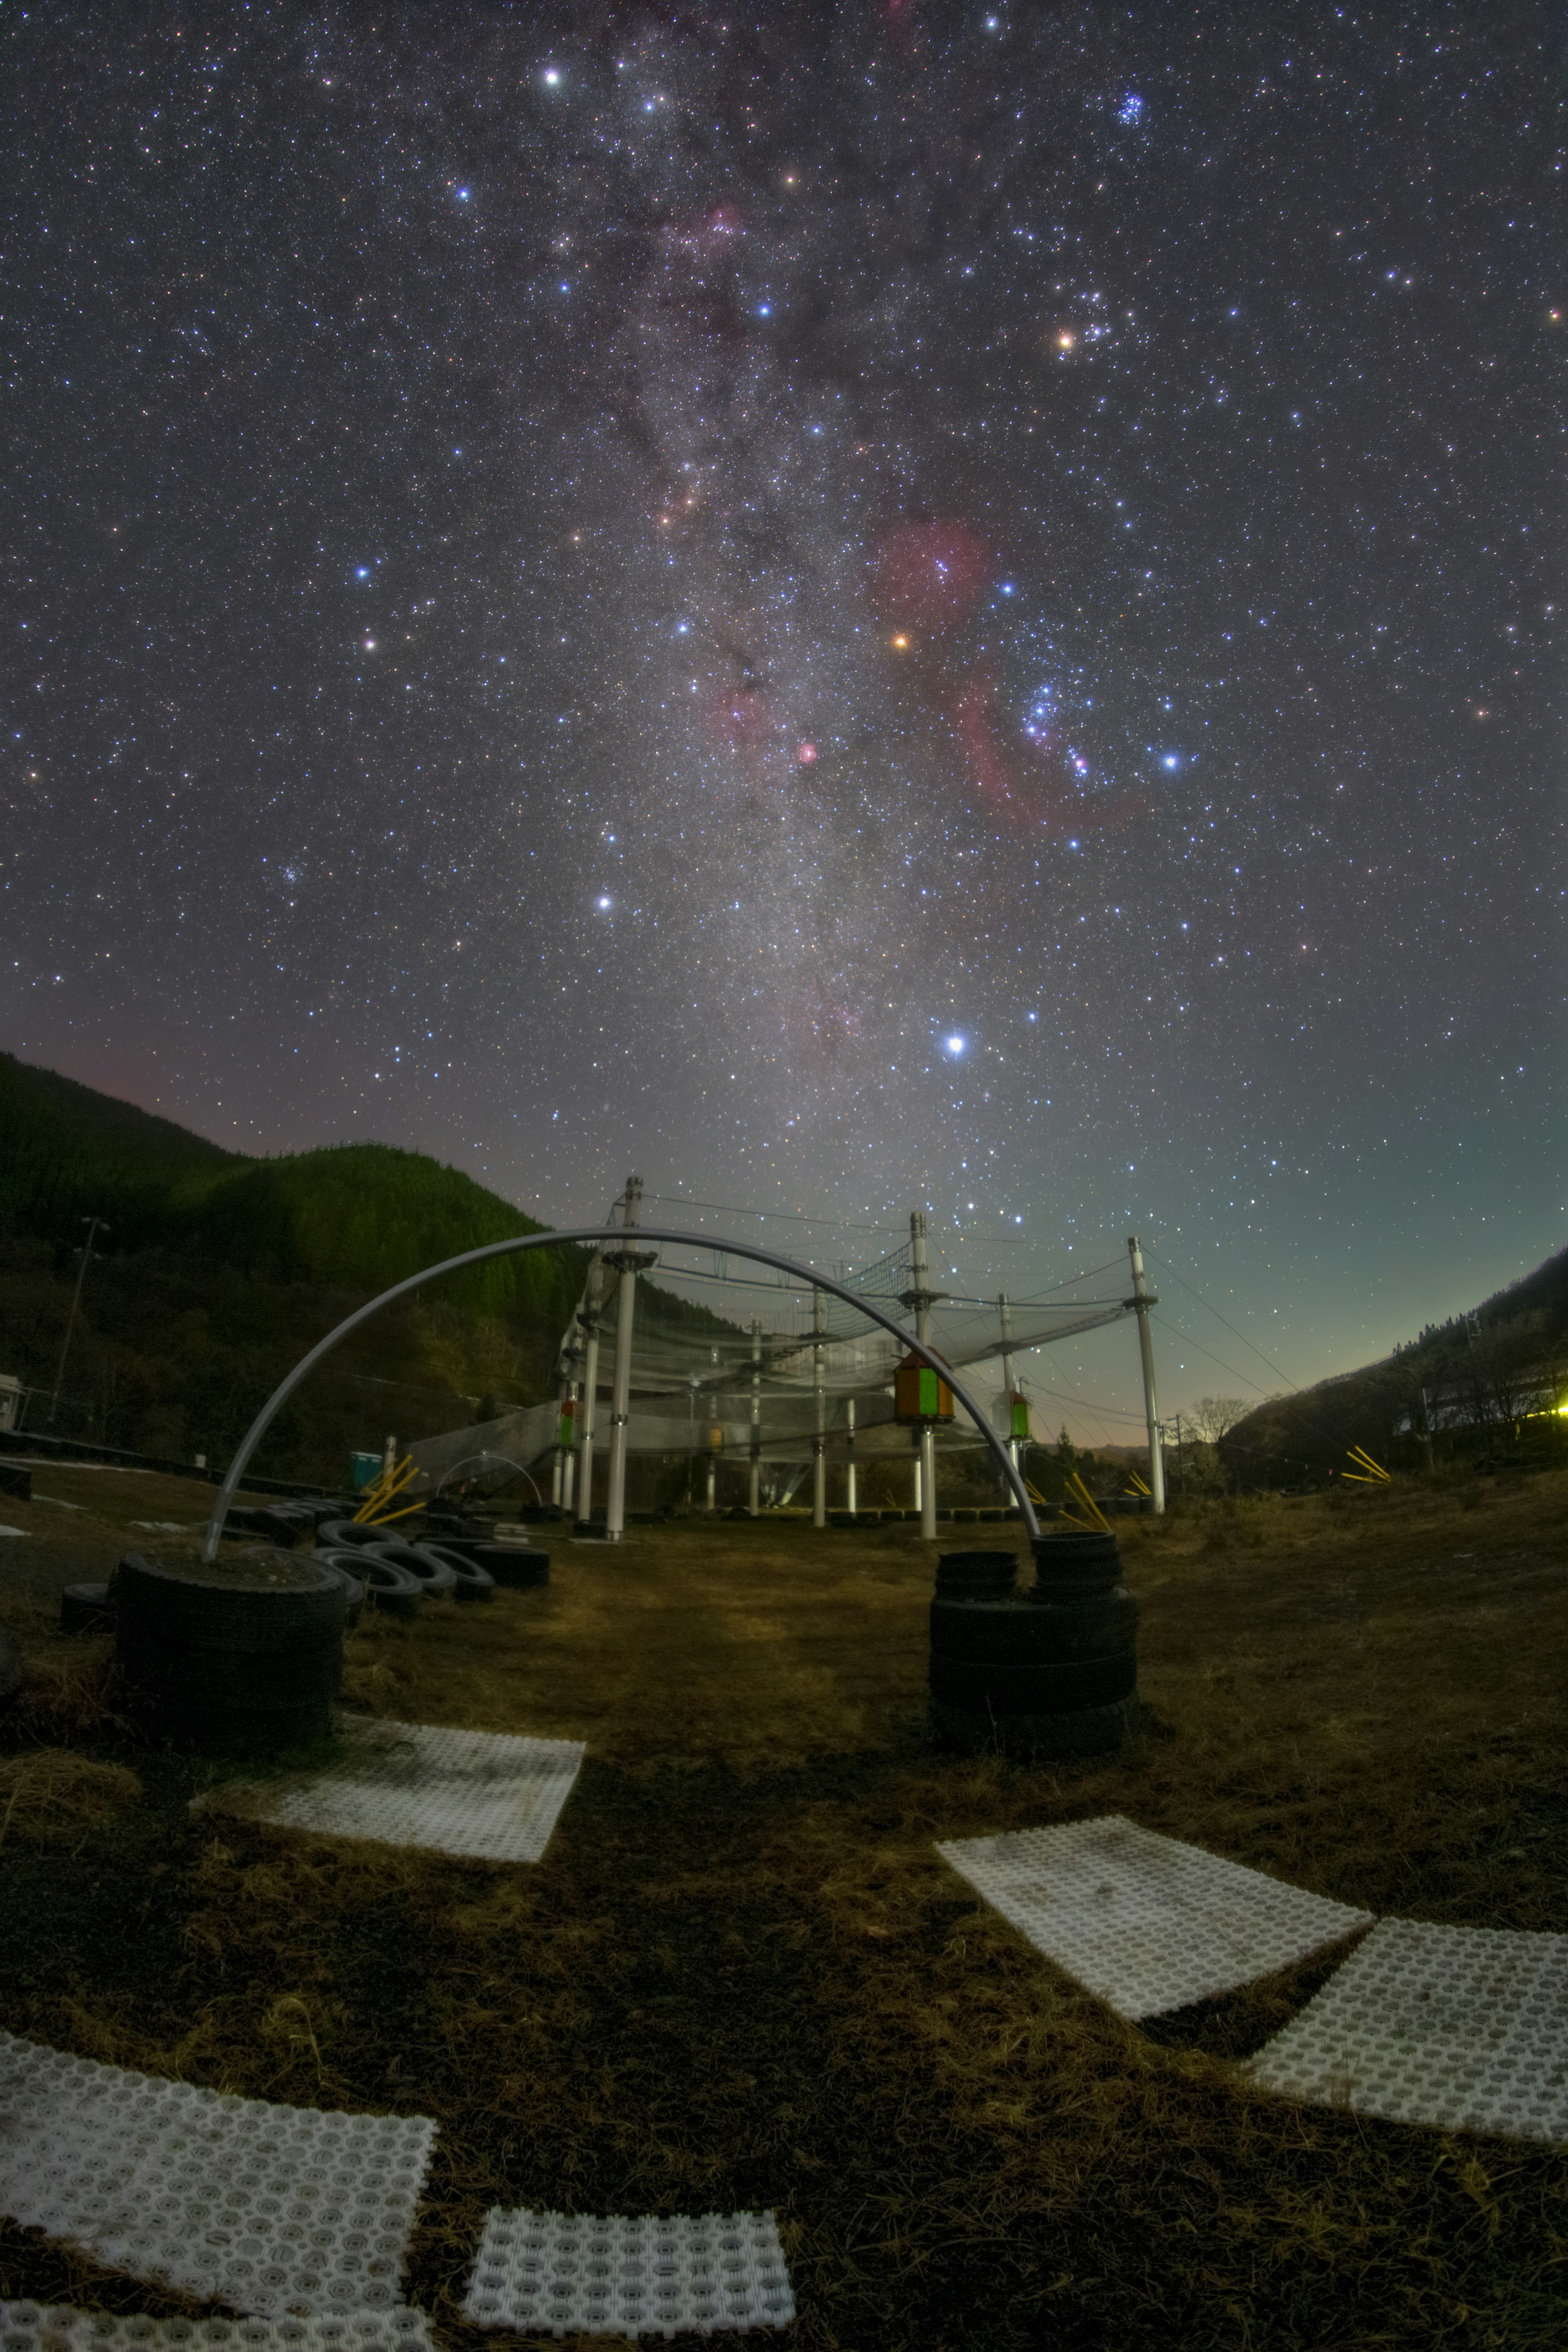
(850, 1504)
(95, 1225)
(819, 1441)
(585, 1501)
(1142, 1300)
(920, 1297)
(1003, 1308)
(628, 1264)
(756, 1415)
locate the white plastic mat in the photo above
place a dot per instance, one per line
(58, 2327)
(1466, 2028)
(1143, 1921)
(607, 2274)
(273, 2209)
(484, 1795)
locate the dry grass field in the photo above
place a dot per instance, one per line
(743, 1977)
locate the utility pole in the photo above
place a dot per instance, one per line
(922, 1297)
(628, 1264)
(819, 1440)
(589, 1315)
(1427, 1428)
(95, 1225)
(1142, 1300)
(756, 1414)
(850, 1504)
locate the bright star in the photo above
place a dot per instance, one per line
(1170, 761)
(954, 1044)
(601, 904)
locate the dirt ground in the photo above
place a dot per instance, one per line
(743, 1977)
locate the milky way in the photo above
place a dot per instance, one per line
(849, 608)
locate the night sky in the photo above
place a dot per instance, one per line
(850, 608)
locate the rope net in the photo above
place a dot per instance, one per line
(769, 1367)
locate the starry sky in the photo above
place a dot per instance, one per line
(849, 607)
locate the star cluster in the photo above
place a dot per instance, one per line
(852, 608)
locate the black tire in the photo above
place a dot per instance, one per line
(515, 1566)
(1061, 1690)
(433, 1574)
(155, 1604)
(1065, 1557)
(87, 1609)
(347, 1566)
(1090, 1731)
(473, 1582)
(1029, 1632)
(977, 1575)
(229, 1670)
(350, 1532)
(11, 1668)
(389, 1586)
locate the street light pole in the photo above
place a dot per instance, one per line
(95, 1225)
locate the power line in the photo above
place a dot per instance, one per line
(1245, 1342)
(783, 1216)
(1189, 1341)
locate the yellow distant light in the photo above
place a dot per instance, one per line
(900, 645)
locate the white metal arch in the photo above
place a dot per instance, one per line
(518, 1242)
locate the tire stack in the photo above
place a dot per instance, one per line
(244, 1663)
(1051, 1672)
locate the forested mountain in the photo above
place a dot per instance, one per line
(1487, 1382)
(215, 1273)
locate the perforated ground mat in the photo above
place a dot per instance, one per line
(562, 2273)
(1466, 2028)
(484, 1795)
(273, 2209)
(1146, 1923)
(57, 2327)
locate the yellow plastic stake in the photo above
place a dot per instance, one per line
(386, 1489)
(1138, 1486)
(406, 1513)
(1358, 1454)
(1099, 1522)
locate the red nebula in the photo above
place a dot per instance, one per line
(1049, 800)
(930, 575)
(805, 754)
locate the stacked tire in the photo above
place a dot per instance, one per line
(229, 1667)
(1051, 1672)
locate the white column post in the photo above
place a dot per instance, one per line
(850, 1504)
(919, 1298)
(756, 1415)
(819, 1440)
(1142, 1300)
(628, 1264)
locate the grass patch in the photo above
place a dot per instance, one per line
(743, 1977)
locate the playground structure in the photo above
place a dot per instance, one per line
(829, 1380)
